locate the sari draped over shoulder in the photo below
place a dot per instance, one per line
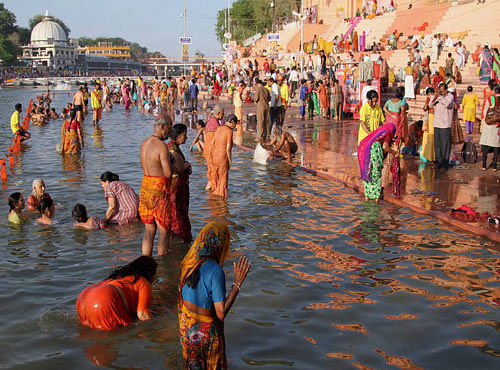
(70, 141)
(365, 147)
(486, 66)
(202, 336)
(180, 223)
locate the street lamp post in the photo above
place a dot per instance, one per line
(273, 5)
(301, 17)
(184, 16)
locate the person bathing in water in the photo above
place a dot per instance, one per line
(282, 143)
(79, 214)
(46, 208)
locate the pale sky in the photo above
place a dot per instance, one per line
(156, 24)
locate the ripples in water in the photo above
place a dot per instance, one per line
(335, 282)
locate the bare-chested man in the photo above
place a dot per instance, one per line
(79, 104)
(282, 143)
(154, 203)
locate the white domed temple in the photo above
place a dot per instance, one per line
(49, 46)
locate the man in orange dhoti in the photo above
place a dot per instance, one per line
(211, 127)
(154, 202)
(222, 145)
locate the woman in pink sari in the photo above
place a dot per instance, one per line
(126, 95)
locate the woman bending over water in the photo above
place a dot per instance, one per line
(123, 202)
(117, 300)
(16, 205)
(202, 300)
(37, 194)
(79, 214)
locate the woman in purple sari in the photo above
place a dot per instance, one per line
(486, 63)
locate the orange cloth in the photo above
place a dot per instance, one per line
(154, 201)
(220, 161)
(209, 136)
(323, 96)
(102, 306)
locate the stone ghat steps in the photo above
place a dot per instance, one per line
(378, 27)
(478, 21)
(408, 21)
(309, 31)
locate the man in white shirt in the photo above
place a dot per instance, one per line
(293, 80)
(275, 104)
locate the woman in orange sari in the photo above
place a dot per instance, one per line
(220, 153)
(202, 301)
(211, 127)
(71, 135)
(323, 99)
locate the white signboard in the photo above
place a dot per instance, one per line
(273, 37)
(185, 40)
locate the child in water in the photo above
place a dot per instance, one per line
(79, 214)
(199, 140)
(16, 205)
(46, 208)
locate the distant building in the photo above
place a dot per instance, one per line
(49, 47)
(93, 63)
(106, 49)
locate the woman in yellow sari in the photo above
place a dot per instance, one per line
(427, 151)
(202, 302)
(71, 135)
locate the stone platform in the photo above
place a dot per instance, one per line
(326, 149)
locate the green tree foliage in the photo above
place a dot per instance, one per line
(249, 17)
(7, 21)
(24, 35)
(7, 50)
(38, 18)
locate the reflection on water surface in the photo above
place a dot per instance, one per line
(335, 282)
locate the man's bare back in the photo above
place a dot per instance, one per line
(154, 155)
(78, 98)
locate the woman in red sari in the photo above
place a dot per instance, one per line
(181, 225)
(217, 89)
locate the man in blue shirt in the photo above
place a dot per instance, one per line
(193, 94)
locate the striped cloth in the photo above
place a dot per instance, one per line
(127, 202)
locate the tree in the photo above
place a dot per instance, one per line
(38, 18)
(7, 50)
(249, 17)
(24, 35)
(7, 21)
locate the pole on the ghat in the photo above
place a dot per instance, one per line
(302, 38)
(184, 35)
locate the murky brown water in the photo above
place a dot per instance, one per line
(335, 282)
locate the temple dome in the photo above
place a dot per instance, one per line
(48, 32)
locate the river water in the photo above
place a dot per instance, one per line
(335, 282)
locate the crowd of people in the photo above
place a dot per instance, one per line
(162, 205)
(163, 202)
